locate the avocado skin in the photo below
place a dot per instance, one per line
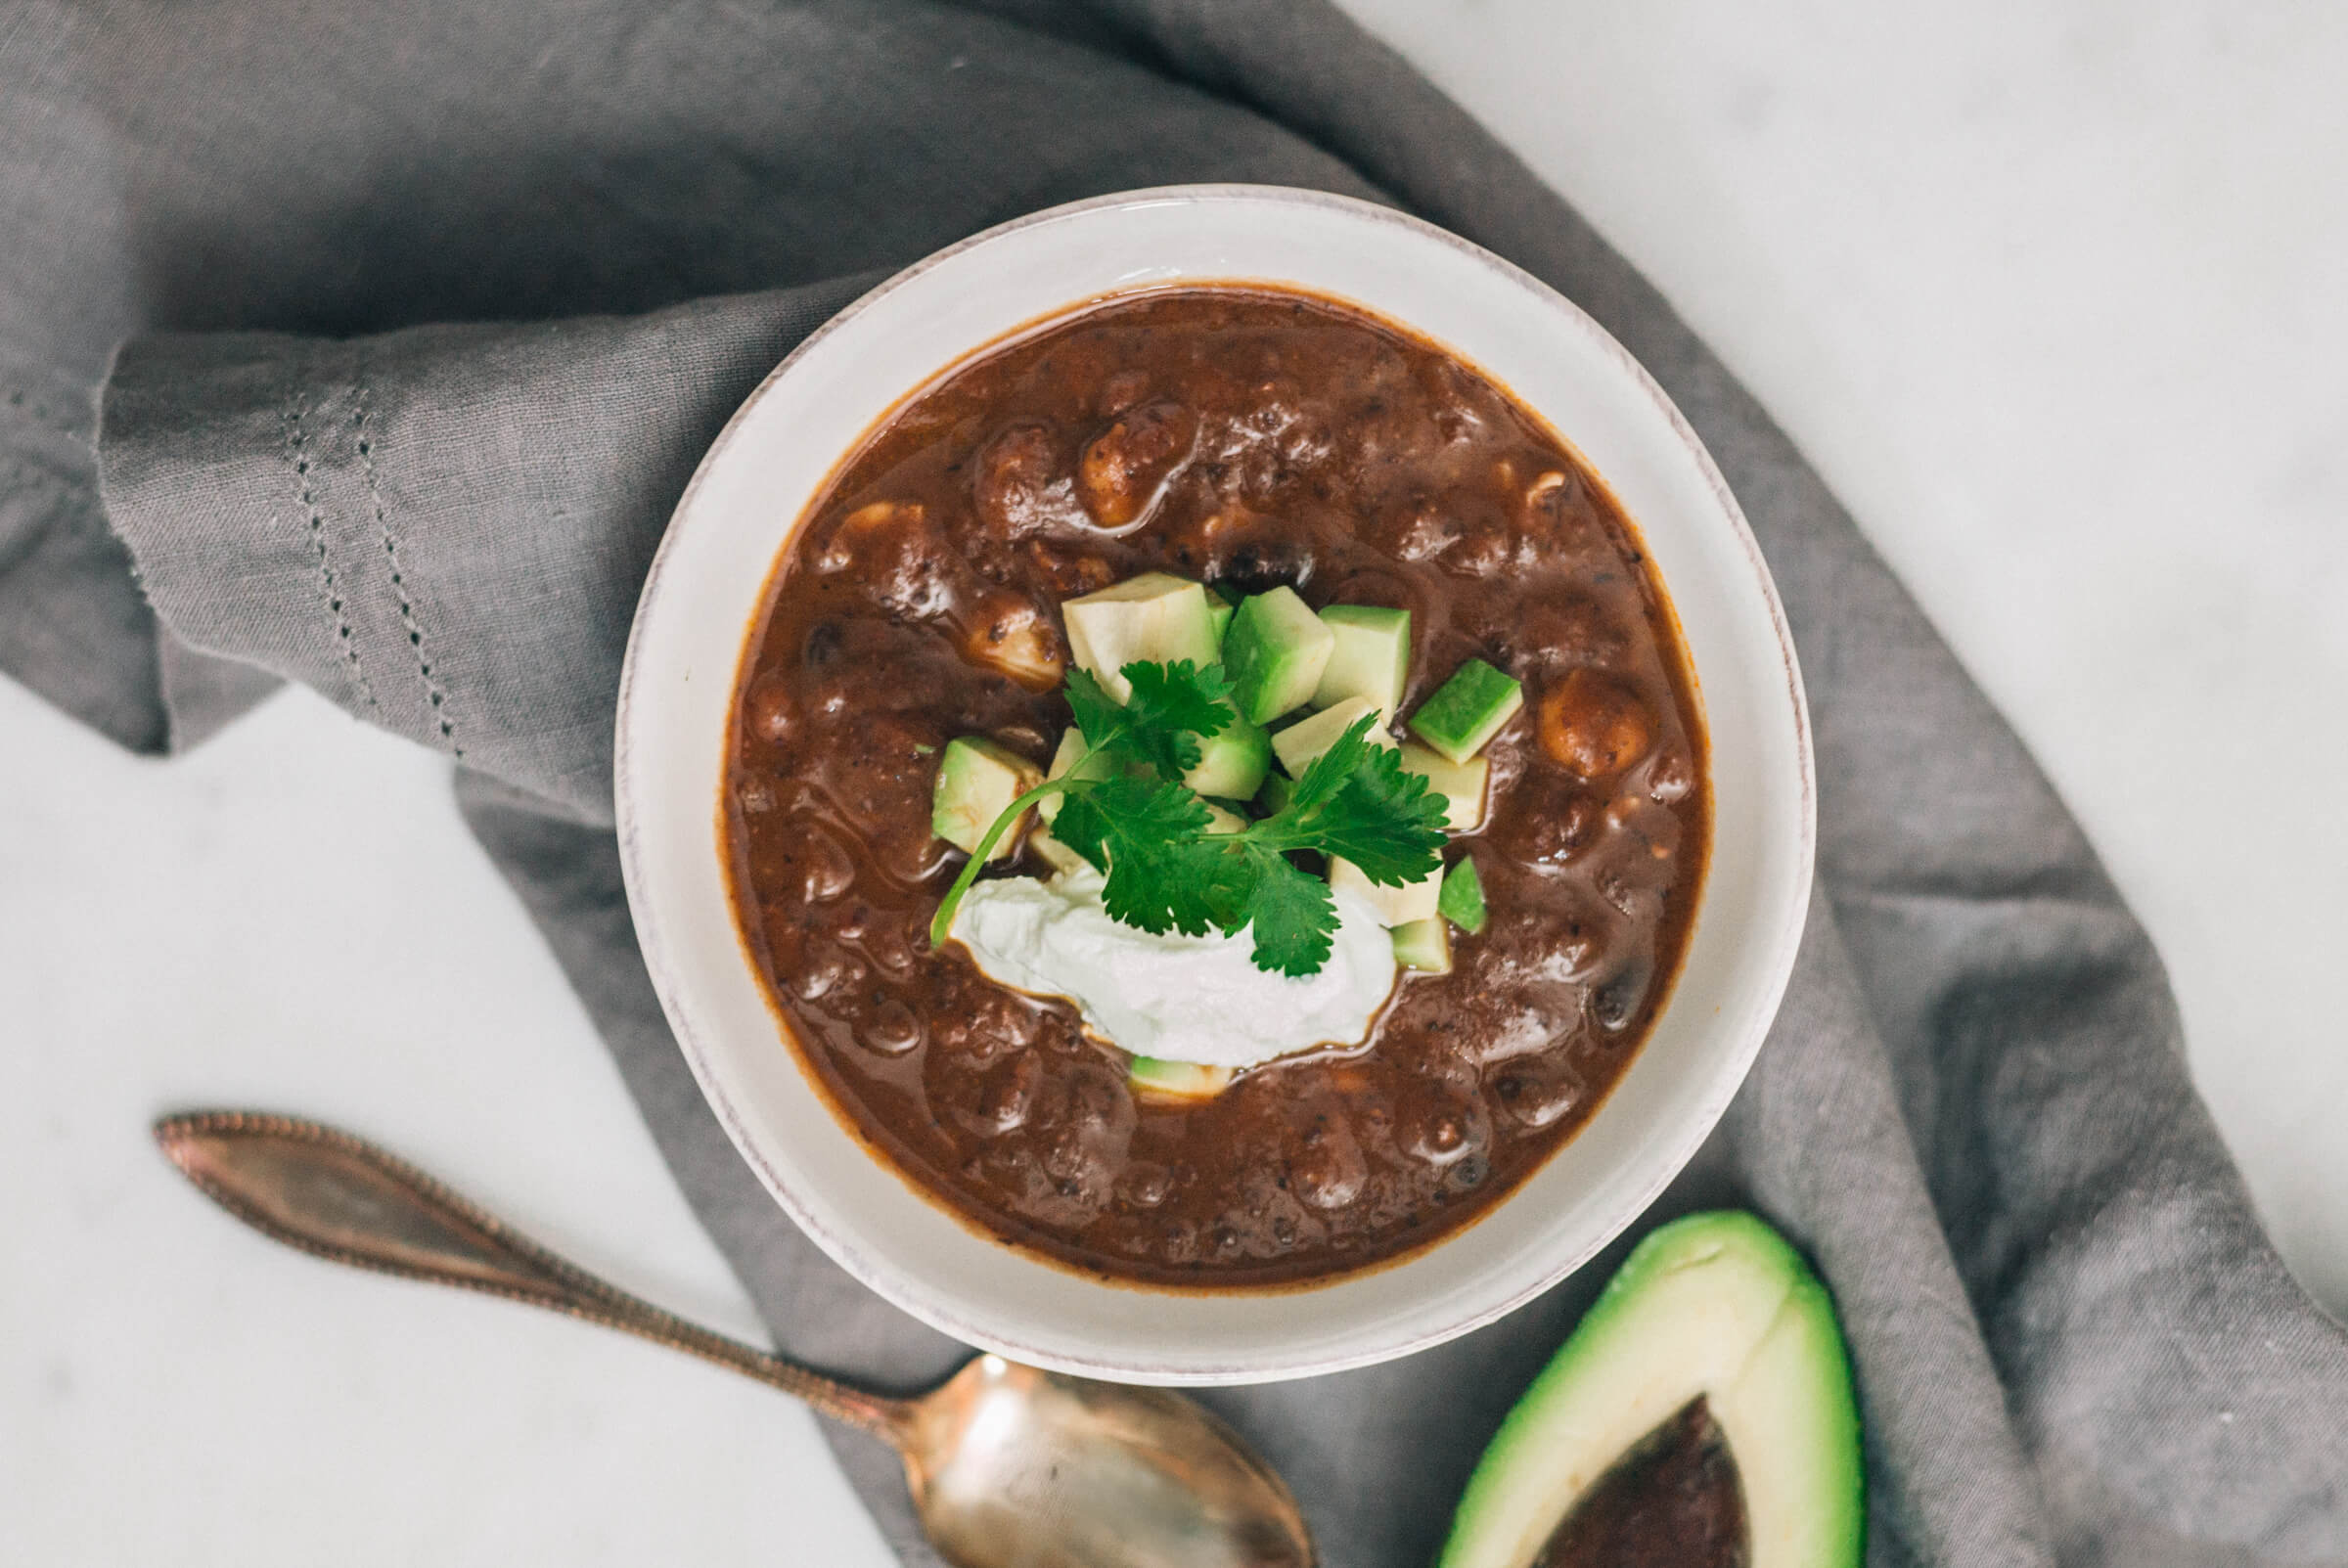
(1825, 1484)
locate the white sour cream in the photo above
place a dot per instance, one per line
(1198, 999)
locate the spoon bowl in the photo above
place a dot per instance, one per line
(1009, 1463)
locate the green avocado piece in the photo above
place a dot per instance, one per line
(1232, 762)
(976, 781)
(1459, 784)
(1274, 654)
(1072, 745)
(1423, 945)
(1371, 657)
(1219, 605)
(1395, 906)
(1301, 743)
(1055, 854)
(1177, 1080)
(1462, 900)
(1155, 618)
(1714, 1305)
(1467, 710)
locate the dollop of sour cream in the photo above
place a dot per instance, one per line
(1197, 999)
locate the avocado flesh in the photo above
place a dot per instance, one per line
(1467, 710)
(977, 782)
(1232, 762)
(1459, 784)
(1462, 899)
(1072, 745)
(1155, 618)
(1714, 1306)
(1424, 946)
(1301, 743)
(1371, 657)
(1274, 654)
(1177, 1080)
(1219, 605)
(1395, 905)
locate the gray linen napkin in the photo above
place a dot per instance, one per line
(2073, 1343)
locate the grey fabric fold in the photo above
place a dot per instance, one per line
(429, 319)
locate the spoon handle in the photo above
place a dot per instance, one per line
(325, 1192)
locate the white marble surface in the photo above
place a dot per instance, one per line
(2050, 293)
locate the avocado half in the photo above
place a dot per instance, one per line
(1714, 1307)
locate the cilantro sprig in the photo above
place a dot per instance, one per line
(1141, 825)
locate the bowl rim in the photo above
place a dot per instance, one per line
(1778, 951)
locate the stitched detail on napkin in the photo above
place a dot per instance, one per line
(435, 696)
(329, 585)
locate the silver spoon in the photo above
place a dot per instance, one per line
(1009, 1467)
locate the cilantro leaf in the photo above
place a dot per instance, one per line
(1150, 836)
(1192, 885)
(1293, 914)
(1128, 821)
(1326, 773)
(1172, 706)
(1356, 801)
(1157, 728)
(1083, 826)
(1387, 821)
(1136, 822)
(1097, 714)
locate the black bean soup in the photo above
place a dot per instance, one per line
(1246, 437)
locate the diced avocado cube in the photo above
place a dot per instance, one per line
(1461, 901)
(1395, 906)
(1423, 945)
(1072, 745)
(1274, 654)
(1371, 657)
(1459, 784)
(977, 782)
(1232, 762)
(1301, 743)
(1467, 710)
(1222, 820)
(1177, 1080)
(1057, 855)
(1219, 604)
(1154, 618)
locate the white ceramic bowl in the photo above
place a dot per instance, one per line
(706, 587)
